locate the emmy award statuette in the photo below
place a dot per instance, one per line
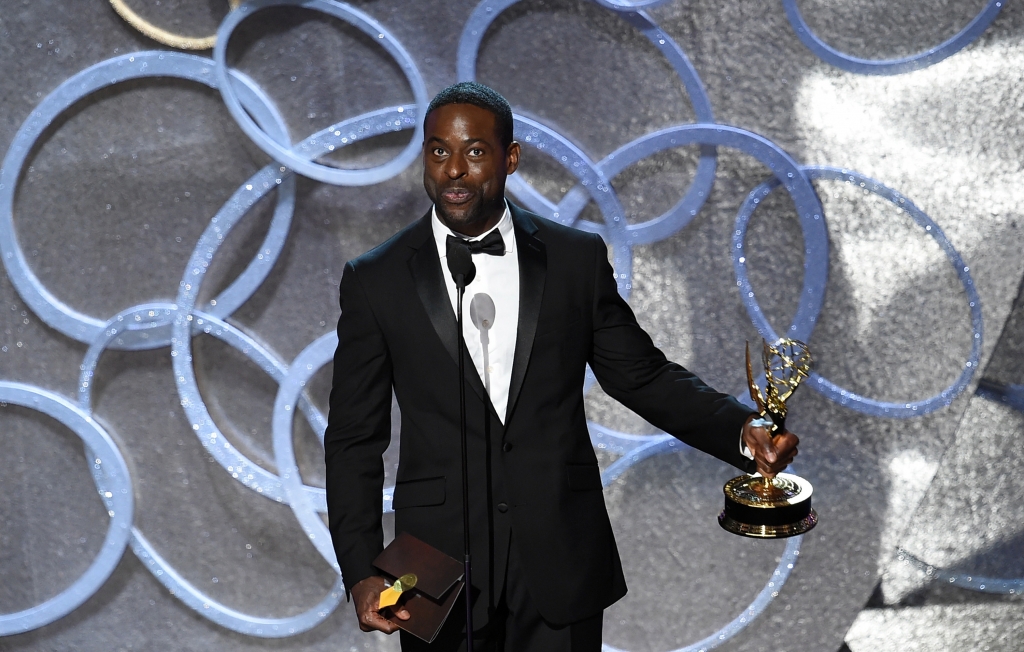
(772, 508)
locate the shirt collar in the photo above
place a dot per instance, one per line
(441, 232)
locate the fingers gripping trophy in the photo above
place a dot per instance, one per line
(772, 508)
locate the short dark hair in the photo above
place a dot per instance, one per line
(470, 92)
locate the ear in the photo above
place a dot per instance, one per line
(512, 157)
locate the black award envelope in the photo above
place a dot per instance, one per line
(438, 583)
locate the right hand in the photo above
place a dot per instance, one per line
(366, 595)
(772, 454)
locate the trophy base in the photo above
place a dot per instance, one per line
(768, 531)
(768, 509)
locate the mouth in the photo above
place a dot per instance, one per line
(456, 195)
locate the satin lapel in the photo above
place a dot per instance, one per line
(425, 266)
(532, 271)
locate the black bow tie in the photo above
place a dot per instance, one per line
(492, 244)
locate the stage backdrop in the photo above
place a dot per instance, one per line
(174, 223)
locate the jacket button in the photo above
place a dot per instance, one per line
(506, 447)
(502, 507)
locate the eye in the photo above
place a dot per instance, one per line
(476, 151)
(437, 151)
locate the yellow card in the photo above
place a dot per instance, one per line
(389, 596)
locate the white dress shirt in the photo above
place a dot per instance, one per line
(498, 277)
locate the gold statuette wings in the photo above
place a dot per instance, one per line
(787, 363)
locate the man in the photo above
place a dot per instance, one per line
(545, 562)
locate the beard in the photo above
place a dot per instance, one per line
(462, 218)
(464, 215)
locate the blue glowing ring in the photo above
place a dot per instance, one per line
(812, 224)
(300, 160)
(539, 136)
(812, 294)
(319, 353)
(156, 315)
(307, 363)
(782, 165)
(232, 460)
(245, 471)
(44, 304)
(802, 328)
(241, 467)
(291, 387)
(224, 615)
(672, 221)
(630, 5)
(969, 581)
(567, 211)
(346, 132)
(142, 320)
(832, 56)
(117, 497)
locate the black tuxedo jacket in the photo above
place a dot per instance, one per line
(536, 477)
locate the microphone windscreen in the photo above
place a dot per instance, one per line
(481, 311)
(460, 261)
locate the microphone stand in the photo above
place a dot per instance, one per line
(460, 283)
(460, 264)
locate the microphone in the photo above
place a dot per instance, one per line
(481, 311)
(460, 263)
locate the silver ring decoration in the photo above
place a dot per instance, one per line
(141, 546)
(1008, 394)
(299, 159)
(978, 583)
(830, 55)
(116, 493)
(173, 325)
(813, 294)
(54, 312)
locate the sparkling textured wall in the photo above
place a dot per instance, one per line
(173, 226)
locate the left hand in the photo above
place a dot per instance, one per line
(366, 595)
(772, 454)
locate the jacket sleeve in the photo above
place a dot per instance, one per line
(636, 373)
(358, 432)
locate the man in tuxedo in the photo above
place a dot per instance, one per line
(545, 564)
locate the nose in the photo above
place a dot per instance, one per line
(455, 166)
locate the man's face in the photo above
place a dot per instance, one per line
(464, 167)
